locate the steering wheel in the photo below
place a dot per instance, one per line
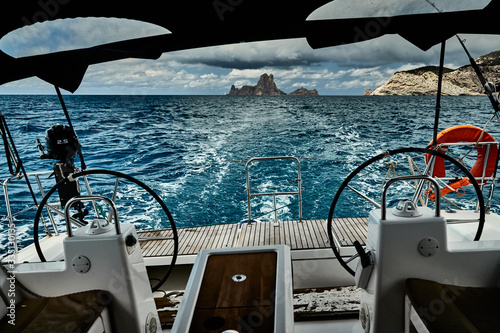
(388, 154)
(118, 175)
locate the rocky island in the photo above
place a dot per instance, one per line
(304, 92)
(267, 87)
(423, 81)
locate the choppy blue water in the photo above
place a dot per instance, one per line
(192, 149)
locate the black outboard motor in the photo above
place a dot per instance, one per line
(62, 145)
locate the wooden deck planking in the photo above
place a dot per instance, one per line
(197, 237)
(153, 244)
(191, 240)
(150, 244)
(321, 233)
(360, 225)
(189, 234)
(316, 238)
(164, 246)
(348, 230)
(308, 234)
(269, 234)
(289, 236)
(358, 228)
(221, 241)
(294, 227)
(340, 232)
(204, 237)
(343, 234)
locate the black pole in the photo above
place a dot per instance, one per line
(479, 76)
(61, 100)
(438, 98)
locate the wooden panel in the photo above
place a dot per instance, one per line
(246, 306)
(242, 320)
(219, 290)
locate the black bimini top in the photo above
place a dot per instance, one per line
(202, 23)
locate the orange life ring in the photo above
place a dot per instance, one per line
(464, 133)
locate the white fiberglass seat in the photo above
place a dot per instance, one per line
(79, 312)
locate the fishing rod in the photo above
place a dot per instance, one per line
(11, 158)
(12, 155)
(489, 87)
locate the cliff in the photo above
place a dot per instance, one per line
(423, 81)
(267, 86)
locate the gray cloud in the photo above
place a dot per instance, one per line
(76, 33)
(214, 69)
(379, 52)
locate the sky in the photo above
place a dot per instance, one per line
(341, 70)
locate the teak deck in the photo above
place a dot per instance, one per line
(305, 235)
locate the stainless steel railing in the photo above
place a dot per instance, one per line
(273, 194)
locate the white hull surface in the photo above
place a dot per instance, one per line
(394, 244)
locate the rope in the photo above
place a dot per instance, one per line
(479, 139)
(391, 171)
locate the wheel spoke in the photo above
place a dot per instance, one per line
(364, 196)
(115, 191)
(118, 175)
(418, 192)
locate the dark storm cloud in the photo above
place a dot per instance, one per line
(214, 69)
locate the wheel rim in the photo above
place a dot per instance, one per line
(482, 212)
(118, 175)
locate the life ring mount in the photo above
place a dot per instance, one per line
(464, 133)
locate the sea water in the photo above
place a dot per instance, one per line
(192, 150)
